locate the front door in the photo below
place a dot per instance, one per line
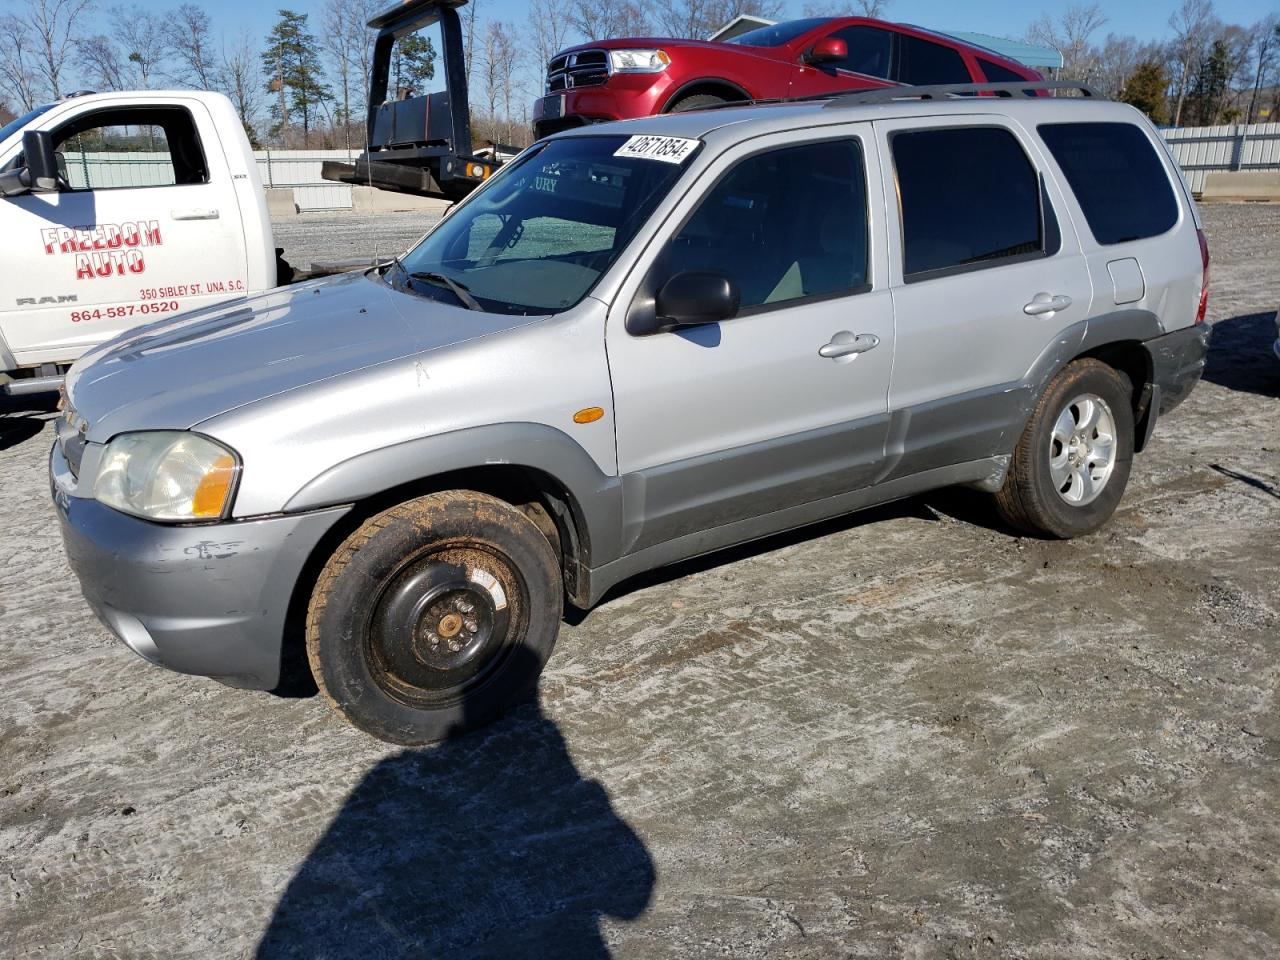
(787, 402)
(146, 225)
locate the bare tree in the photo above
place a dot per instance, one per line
(56, 25)
(1266, 46)
(19, 77)
(1117, 59)
(1191, 24)
(548, 32)
(101, 63)
(862, 8)
(142, 43)
(240, 69)
(698, 19)
(188, 35)
(598, 19)
(469, 30)
(340, 37)
(1071, 36)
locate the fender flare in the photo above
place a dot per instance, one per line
(684, 89)
(595, 498)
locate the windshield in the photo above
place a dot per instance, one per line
(775, 35)
(539, 235)
(13, 126)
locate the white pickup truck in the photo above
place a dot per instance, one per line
(117, 209)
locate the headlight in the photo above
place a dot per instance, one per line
(638, 61)
(167, 475)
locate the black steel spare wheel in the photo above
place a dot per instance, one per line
(434, 616)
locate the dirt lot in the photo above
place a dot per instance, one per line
(907, 734)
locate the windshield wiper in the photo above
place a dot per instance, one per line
(458, 290)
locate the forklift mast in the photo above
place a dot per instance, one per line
(417, 143)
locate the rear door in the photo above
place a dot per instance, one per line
(988, 273)
(147, 224)
(779, 405)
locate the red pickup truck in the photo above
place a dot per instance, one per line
(619, 79)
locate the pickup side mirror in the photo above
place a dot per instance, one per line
(40, 175)
(695, 297)
(826, 50)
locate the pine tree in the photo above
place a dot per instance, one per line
(413, 62)
(291, 64)
(1145, 89)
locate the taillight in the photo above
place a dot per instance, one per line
(1204, 282)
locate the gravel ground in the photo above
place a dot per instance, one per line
(326, 237)
(906, 734)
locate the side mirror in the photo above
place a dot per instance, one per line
(826, 50)
(696, 297)
(40, 175)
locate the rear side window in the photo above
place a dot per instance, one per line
(921, 62)
(970, 198)
(1114, 172)
(785, 225)
(998, 74)
(869, 50)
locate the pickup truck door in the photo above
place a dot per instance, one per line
(785, 403)
(147, 224)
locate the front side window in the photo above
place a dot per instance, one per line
(539, 235)
(1117, 177)
(969, 198)
(923, 62)
(130, 148)
(785, 225)
(869, 48)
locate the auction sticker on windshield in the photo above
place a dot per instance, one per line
(666, 149)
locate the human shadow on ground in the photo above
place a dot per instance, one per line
(488, 845)
(1241, 355)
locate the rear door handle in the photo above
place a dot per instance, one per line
(845, 344)
(1043, 303)
(194, 213)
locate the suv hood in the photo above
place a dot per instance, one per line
(176, 373)
(669, 43)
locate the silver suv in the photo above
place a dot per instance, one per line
(639, 342)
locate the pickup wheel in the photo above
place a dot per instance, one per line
(696, 102)
(1071, 466)
(434, 616)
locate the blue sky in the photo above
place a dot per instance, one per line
(1145, 20)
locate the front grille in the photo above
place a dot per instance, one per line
(584, 68)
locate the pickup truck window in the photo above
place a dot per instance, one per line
(970, 199)
(538, 236)
(786, 225)
(137, 147)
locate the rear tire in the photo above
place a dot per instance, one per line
(434, 616)
(698, 101)
(1070, 468)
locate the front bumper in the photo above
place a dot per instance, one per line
(202, 599)
(624, 97)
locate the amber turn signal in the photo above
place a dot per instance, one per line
(215, 486)
(588, 415)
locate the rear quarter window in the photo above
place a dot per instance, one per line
(1117, 177)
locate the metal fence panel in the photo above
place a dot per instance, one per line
(1232, 146)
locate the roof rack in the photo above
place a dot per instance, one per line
(947, 91)
(940, 91)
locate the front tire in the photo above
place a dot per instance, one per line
(698, 101)
(1072, 463)
(434, 616)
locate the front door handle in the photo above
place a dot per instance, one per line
(845, 344)
(194, 213)
(1043, 303)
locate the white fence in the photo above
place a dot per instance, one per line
(1233, 146)
(1198, 150)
